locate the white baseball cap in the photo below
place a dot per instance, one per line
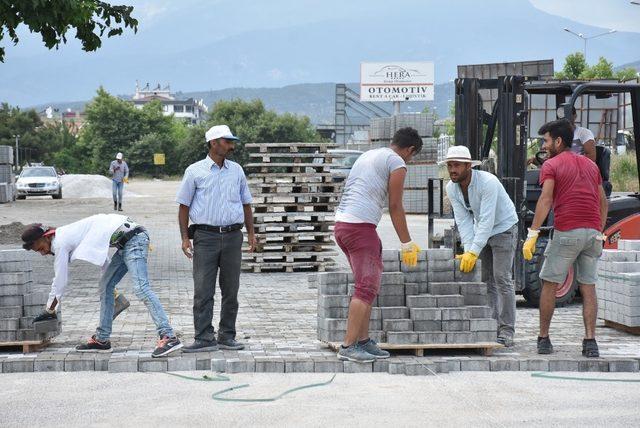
(219, 131)
(119, 155)
(459, 154)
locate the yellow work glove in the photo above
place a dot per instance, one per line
(529, 246)
(126, 180)
(409, 253)
(467, 261)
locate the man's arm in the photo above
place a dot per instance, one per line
(248, 223)
(543, 206)
(604, 208)
(61, 276)
(396, 209)
(589, 148)
(486, 217)
(126, 170)
(464, 220)
(112, 168)
(183, 222)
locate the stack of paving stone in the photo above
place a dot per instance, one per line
(618, 286)
(294, 200)
(7, 178)
(432, 303)
(20, 302)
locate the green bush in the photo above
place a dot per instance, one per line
(624, 173)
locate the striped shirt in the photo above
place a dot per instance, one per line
(214, 195)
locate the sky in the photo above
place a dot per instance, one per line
(613, 14)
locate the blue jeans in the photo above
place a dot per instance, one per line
(132, 258)
(117, 191)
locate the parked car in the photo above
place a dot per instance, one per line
(38, 181)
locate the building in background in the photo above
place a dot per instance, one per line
(191, 110)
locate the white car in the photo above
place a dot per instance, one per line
(38, 181)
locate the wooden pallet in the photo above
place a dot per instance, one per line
(277, 256)
(289, 267)
(627, 329)
(485, 348)
(267, 156)
(294, 227)
(297, 188)
(292, 147)
(286, 177)
(26, 345)
(290, 217)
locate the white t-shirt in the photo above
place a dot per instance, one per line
(580, 136)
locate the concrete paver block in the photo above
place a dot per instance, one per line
(396, 367)
(12, 290)
(9, 324)
(391, 278)
(269, 364)
(152, 365)
(475, 365)
(439, 254)
(333, 312)
(391, 290)
(324, 278)
(421, 301)
(79, 363)
(425, 314)
(505, 364)
(14, 278)
(390, 255)
(181, 364)
(390, 266)
(453, 314)
(623, 365)
(391, 301)
(455, 325)
(450, 301)
(563, 365)
(483, 324)
(53, 364)
(446, 288)
(397, 325)
(402, 338)
(13, 255)
(333, 301)
(11, 301)
(411, 289)
(329, 366)
(299, 366)
(333, 289)
(432, 337)
(440, 276)
(480, 311)
(593, 365)
(237, 365)
(394, 312)
(534, 365)
(353, 367)
(218, 365)
(440, 265)
(427, 326)
(421, 266)
(123, 364)
(415, 368)
(460, 337)
(416, 277)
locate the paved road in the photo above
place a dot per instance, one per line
(461, 399)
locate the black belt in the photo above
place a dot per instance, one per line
(126, 237)
(215, 229)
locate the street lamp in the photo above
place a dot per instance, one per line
(585, 38)
(17, 137)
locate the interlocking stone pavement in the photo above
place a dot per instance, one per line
(277, 318)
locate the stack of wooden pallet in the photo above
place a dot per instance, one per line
(294, 200)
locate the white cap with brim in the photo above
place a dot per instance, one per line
(219, 131)
(459, 154)
(119, 156)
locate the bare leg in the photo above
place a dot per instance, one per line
(589, 309)
(357, 322)
(547, 306)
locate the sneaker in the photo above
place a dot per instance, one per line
(355, 353)
(372, 348)
(165, 346)
(544, 345)
(201, 346)
(121, 303)
(507, 342)
(94, 345)
(590, 348)
(231, 344)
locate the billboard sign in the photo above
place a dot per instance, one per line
(396, 81)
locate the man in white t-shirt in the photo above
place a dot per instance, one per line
(584, 143)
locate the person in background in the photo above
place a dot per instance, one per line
(119, 175)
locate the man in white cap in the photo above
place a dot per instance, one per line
(215, 196)
(119, 175)
(488, 227)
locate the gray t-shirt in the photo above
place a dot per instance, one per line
(368, 184)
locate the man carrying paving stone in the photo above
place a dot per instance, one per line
(375, 175)
(89, 239)
(572, 186)
(214, 194)
(488, 227)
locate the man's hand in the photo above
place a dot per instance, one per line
(126, 180)
(187, 248)
(529, 246)
(251, 240)
(46, 315)
(409, 253)
(467, 261)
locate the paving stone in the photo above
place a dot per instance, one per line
(101, 362)
(12, 290)
(218, 365)
(152, 365)
(460, 337)
(415, 368)
(397, 325)
(534, 365)
(376, 313)
(332, 324)
(427, 326)
(375, 324)
(396, 367)
(390, 278)
(331, 278)
(379, 336)
(593, 365)
(439, 288)
(485, 336)
(394, 312)
(475, 365)
(333, 301)
(425, 314)
(181, 364)
(440, 276)
(474, 276)
(333, 289)
(329, 366)
(53, 363)
(14, 278)
(432, 337)
(421, 301)
(402, 338)
(353, 367)
(78, 363)
(563, 365)
(8, 336)
(440, 266)
(123, 365)
(453, 364)
(629, 245)
(476, 300)
(439, 254)
(8, 324)
(480, 311)
(32, 310)
(391, 266)
(451, 301)
(13, 255)
(390, 255)
(453, 314)
(411, 289)
(331, 336)
(421, 266)
(391, 301)
(416, 277)
(505, 364)
(627, 365)
(269, 365)
(17, 365)
(299, 366)
(36, 298)
(442, 366)
(11, 301)
(381, 366)
(237, 365)
(45, 326)
(455, 325)
(391, 290)
(483, 324)
(473, 288)
(333, 312)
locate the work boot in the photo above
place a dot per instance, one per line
(201, 346)
(231, 344)
(544, 345)
(372, 347)
(590, 348)
(165, 346)
(94, 345)
(355, 353)
(115, 206)
(120, 207)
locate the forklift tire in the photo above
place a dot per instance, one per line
(565, 292)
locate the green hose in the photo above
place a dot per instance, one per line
(221, 378)
(586, 379)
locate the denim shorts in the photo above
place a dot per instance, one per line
(579, 246)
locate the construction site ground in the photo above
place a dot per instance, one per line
(277, 318)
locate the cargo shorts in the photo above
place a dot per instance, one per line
(579, 246)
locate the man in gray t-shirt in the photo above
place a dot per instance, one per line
(374, 176)
(119, 175)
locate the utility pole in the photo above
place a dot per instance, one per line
(585, 38)
(17, 137)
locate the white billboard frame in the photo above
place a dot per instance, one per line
(397, 81)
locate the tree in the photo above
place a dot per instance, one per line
(603, 69)
(574, 66)
(52, 19)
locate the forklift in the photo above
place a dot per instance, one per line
(506, 127)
